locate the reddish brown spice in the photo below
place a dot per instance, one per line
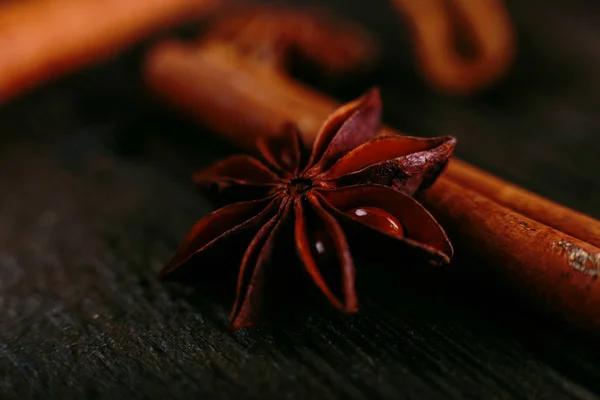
(485, 215)
(226, 90)
(43, 39)
(461, 46)
(277, 36)
(351, 178)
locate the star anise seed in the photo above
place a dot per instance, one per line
(352, 177)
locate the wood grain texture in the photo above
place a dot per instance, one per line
(88, 215)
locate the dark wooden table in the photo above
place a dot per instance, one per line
(94, 198)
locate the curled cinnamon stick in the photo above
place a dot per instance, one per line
(260, 40)
(437, 26)
(241, 100)
(42, 39)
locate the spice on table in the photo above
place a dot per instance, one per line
(351, 178)
(198, 78)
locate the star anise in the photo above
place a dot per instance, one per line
(353, 177)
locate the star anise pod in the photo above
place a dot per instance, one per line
(352, 177)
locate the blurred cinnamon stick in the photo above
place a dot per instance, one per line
(241, 100)
(438, 27)
(42, 39)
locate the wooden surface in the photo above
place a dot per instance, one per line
(95, 196)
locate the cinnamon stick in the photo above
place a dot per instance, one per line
(550, 213)
(559, 272)
(42, 39)
(241, 100)
(296, 102)
(437, 26)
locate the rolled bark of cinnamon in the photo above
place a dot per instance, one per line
(488, 27)
(241, 101)
(42, 39)
(212, 83)
(527, 203)
(557, 271)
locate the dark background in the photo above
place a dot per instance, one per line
(94, 198)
